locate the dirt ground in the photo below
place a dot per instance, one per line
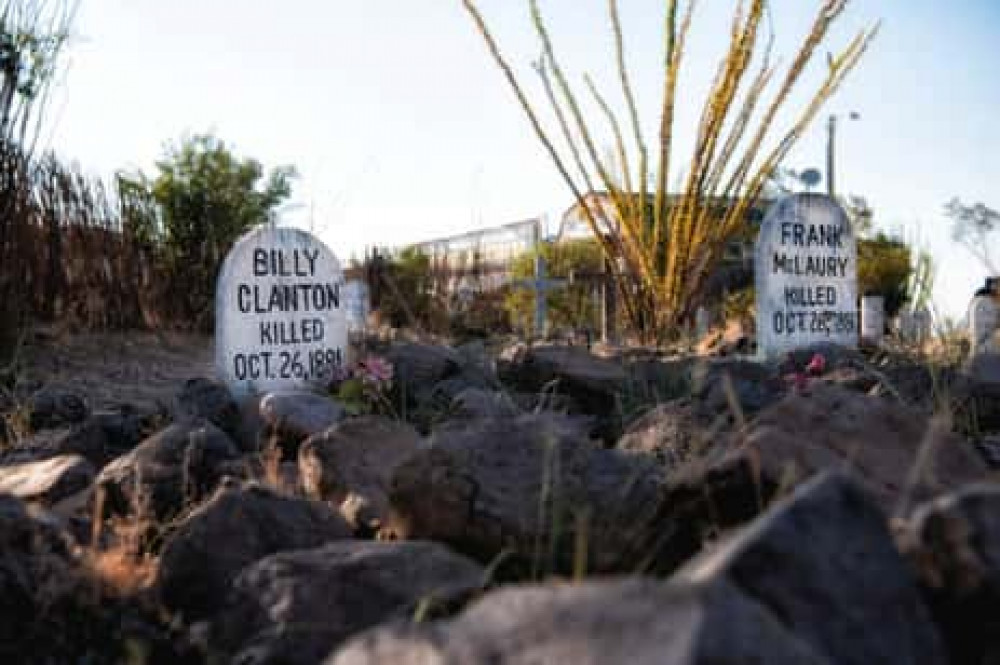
(142, 369)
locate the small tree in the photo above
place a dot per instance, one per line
(207, 196)
(410, 299)
(975, 228)
(885, 269)
(671, 243)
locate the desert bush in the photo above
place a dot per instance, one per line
(569, 307)
(412, 296)
(669, 243)
(205, 196)
(885, 269)
(33, 35)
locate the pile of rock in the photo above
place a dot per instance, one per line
(756, 513)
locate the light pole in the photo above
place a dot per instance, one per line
(831, 133)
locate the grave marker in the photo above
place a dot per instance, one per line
(280, 317)
(357, 305)
(806, 276)
(540, 285)
(872, 319)
(984, 320)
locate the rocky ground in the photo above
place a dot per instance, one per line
(525, 504)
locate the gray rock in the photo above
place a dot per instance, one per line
(594, 384)
(211, 400)
(53, 406)
(296, 607)
(423, 364)
(296, 415)
(234, 529)
(477, 403)
(823, 561)
(670, 433)
(830, 427)
(48, 481)
(636, 621)
(722, 386)
(175, 467)
(350, 465)
(954, 544)
(979, 393)
(511, 484)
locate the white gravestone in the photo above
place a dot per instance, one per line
(984, 319)
(872, 319)
(357, 305)
(280, 316)
(806, 276)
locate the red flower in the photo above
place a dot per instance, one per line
(817, 365)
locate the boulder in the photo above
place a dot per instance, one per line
(512, 484)
(478, 403)
(478, 364)
(701, 499)
(416, 365)
(297, 607)
(899, 453)
(48, 481)
(954, 543)
(173, 468)
(350, 465)
(293, 415)
(978, 394)
(592, 381)
(733, 389)
(234, 529)
(671, 433)
(823, 561)
(211, 400)
(636, 621)
(53, 406)
(594, 384)
(102, 437)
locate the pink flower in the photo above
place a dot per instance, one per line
(817, 365)
(375, 370)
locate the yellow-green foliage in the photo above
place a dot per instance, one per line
(413, 296)
(670, 248)
(884, 269)
(572, 306)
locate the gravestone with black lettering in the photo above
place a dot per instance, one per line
(280, 315)
(806, 276)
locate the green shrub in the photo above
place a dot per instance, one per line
(413, 292)
(571, 306)
(884, 268)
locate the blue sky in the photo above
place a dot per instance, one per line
(403, 129)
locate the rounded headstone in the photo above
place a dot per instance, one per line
(280, 316)
(872, 319)
(984, 321)
(806, 276)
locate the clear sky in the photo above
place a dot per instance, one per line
(403, 129)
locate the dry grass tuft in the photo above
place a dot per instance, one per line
(121, 570)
